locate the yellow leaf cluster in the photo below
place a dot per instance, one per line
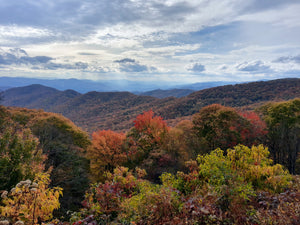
(31, 202)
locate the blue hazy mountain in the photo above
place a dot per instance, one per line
(84, 86)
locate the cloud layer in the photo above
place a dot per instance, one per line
(151, 40)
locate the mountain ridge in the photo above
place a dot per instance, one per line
(84, 86)
(159, 93)
(117, 110)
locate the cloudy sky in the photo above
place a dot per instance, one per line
(153, 40)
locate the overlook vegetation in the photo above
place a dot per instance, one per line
(221, 165)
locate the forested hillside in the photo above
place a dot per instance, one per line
(168, 93)
(116, 110)
(234, 95)
(44, 142)
(222, 166)
(37, 97)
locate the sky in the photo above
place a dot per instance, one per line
(176, 41)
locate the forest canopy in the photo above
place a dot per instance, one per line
(223, 166)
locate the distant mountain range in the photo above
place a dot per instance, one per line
(84, 86)
(158, 93)
(4, 88)
(204, 85)
(116, 110)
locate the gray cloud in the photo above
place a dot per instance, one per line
(197, 67)
(35, 60)
(86, 53)
(131, 65)
(224, 67)
(19, 56)
(73, 18)
(287, 59)
(125, 60)
(75, 66)
(257, 66)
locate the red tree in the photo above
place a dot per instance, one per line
(258, 129)
(145, 141)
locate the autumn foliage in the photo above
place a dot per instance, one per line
(283, 123)
(224, 127)
(31, 201)
(151, 125)
(257, 130)
(221, 188)
(144, 142)
(216, 168)
(147, 134)
(106, 152)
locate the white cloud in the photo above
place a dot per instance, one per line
(224, 38)
(23, 32)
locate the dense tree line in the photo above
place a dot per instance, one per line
(283, 120)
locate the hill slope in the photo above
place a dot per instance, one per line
(116, 110)
(237, 95)
(37, 96)
(62, 142)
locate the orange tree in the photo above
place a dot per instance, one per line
(106, 152)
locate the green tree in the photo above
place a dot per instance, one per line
(64, 144)
(283, 121)
(20, 157)
(223, 127)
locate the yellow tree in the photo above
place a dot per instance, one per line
(31, 202)
(106, 152)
